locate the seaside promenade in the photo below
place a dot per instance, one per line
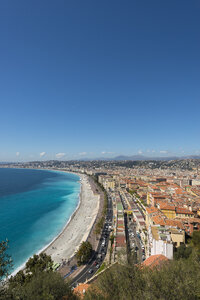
(63, 248)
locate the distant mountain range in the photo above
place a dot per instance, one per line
(126, 158)
(142, 157)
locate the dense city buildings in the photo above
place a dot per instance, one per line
(156, 204)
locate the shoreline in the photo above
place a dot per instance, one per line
(44, 248)
(77, 230)
(52, 248)
(65, 226)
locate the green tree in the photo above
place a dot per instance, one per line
(84, 253)
(19, 279)
(39, 262)
(36, 264)
(97, 229)
(99, 225)
(112, 238)
(183, 252)
(5, 260)
(195, 241)
(176, 280)
(5, 267)
(42, 286)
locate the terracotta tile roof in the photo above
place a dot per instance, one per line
(179, 191)
(165, 206)
(152, 209)
(158, 220)
(120, 241)
(194, 220)
(190, 220)
(154, 187)
(181, 210)
(81, 289)
(174, 223)
(120, 226)
(155, 261)
(120, 222)
(120, 229)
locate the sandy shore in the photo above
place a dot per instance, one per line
(77, 230)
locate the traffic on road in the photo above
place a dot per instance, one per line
(96, 261)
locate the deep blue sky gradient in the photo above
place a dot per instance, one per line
(86, 77)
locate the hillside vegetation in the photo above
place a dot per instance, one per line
(175, 280)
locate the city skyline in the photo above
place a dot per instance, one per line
(89, 80)
(140, 155)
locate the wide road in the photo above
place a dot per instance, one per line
(98, 257)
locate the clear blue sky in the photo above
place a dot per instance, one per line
(99, 78)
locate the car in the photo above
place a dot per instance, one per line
(97, 266)
(102, 248)
(99, 257)
(90, 271)
(95, 262)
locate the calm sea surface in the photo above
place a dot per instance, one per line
(34, 207)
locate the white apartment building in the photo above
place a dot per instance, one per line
(160, 241)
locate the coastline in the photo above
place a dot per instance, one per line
(77, 229)
(65, 244)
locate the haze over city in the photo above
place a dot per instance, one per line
(90, 79)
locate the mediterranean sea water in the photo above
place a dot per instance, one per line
(35, 205)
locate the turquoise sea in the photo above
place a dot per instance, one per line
(35, 205)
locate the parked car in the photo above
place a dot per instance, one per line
(99, 257)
